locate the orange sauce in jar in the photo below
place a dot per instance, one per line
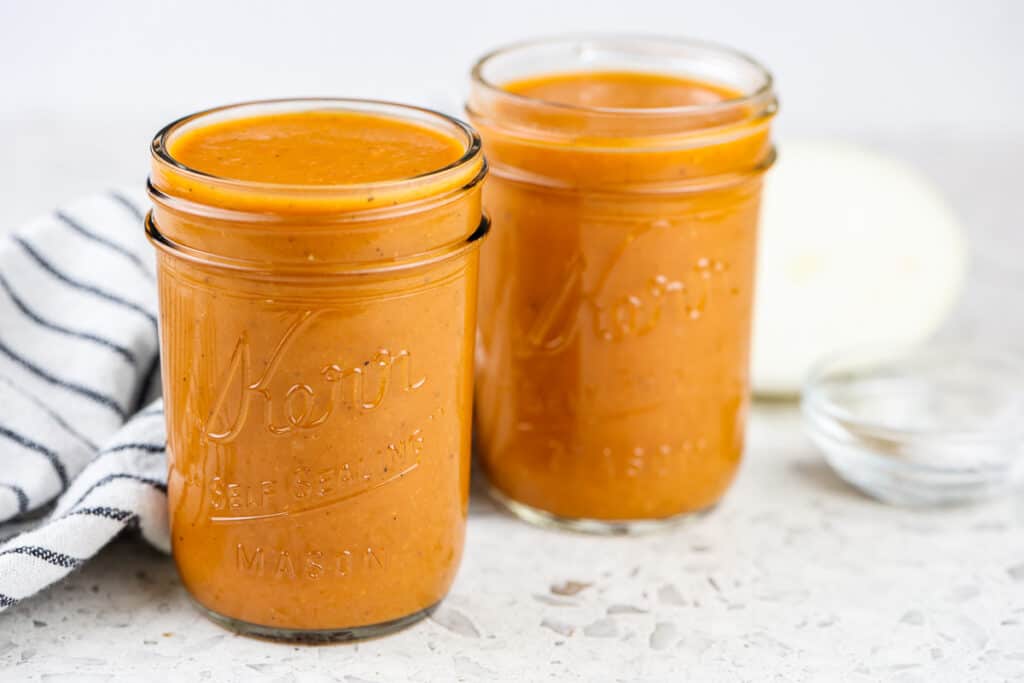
(617, 286)
(317, 269)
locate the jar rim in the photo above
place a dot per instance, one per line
(432, 256)
(629, 43)
(160, 152)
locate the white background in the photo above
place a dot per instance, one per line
(84, 85)
(938, 83)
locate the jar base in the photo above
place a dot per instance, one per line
(597, 527)
(312, 636)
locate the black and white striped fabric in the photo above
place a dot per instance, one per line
(81, 437)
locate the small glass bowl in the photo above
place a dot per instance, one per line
(921, 426)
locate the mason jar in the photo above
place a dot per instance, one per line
(625, 180)
(317, 344)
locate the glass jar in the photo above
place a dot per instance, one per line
(612, 379)
(317, 346)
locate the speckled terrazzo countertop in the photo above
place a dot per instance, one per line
(794, 577)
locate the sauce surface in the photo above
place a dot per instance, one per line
(612, 382)
(318, 422)
(315, 148)
(620, 90)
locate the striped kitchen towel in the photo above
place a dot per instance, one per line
(81, 438)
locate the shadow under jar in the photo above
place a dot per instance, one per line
(317, 264)
(612, 374)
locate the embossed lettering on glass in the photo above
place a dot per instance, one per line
(624, 189)
(317, 273)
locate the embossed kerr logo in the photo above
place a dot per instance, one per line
(364, 384)
(619, 315)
